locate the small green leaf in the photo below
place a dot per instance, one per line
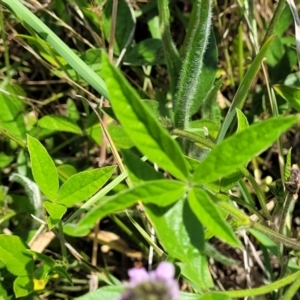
(125, 22)
(210, 216)
(13, 255)
(5, 160)
(65, 171)
(204, 125)
(290, 94)
(43, 168)
(12, 117)
(83, 185)
(210, 109)
(56, 212)
(23, 286)
(72, 229)
(143, 129)
(72, 111)
(59, 123)
(62, 272)
(147, 52)
(242, 120)
(226, 157)
(288, 165)
(160, 192)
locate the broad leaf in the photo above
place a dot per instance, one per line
(210, 216)
(83, 185)
(59, 123)
(143, 129)
(182, 236)
(43, 168)
(225, 158)
(160, 192)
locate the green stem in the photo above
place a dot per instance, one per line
(62, 244)
(258, 191)
(282, 257)
(240, 52)
(245, 221)
(262, 290)
(193, 137)
(13, 137)
(4, 44)
(275, 19)
(276, 237)
(249, 207)
(294, 288)
(285, 211)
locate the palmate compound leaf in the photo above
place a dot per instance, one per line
(159, 192)
(235, 151)
(142, 127)
(83, 185)
(43, 168)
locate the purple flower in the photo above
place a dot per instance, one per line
(155, 285)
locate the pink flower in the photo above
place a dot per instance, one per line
(155, 285)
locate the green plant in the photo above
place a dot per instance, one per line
(179, 163)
